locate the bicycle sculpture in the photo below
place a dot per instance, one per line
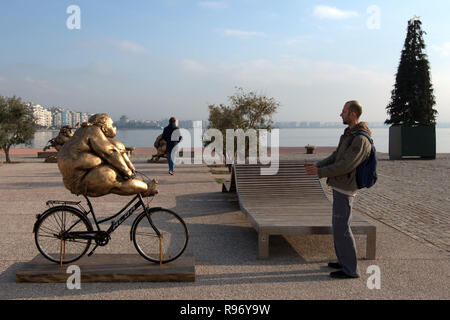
(64, 134)
(160, 145)
(94, 164)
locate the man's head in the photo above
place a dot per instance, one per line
(173, 120)
(351, 112)
(105, 123)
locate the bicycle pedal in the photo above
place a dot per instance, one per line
(92, 252)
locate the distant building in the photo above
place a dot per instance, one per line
(42, 116)
(57, 119)
(66, 118)
(76, 118)
(125, 123)
(124, 120)
(84, 117)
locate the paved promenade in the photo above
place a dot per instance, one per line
(409, 206)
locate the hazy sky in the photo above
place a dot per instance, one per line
(154, 59)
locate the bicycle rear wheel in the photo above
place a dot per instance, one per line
(52, 234)
(160, 235)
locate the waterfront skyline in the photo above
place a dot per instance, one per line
(171, 57)
(57, 117)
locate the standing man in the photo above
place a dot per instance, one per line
(340, 170)
(171, 135)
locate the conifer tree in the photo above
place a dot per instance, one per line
(412, 98)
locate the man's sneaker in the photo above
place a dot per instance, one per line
(151, 189)
(341, 275)
(335, 265)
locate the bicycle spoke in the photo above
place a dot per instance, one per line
(64, 220)
(74, 225)
(56, 220)
(47, 236)
(50, 231)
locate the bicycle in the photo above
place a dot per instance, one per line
(63, 233)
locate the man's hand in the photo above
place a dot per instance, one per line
(311, 169)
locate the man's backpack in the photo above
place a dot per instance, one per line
(366, 172)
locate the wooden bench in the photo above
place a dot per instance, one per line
(288, 203)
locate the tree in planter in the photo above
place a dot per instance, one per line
(17, 124)
(248, 110)
(410, 110)
(412, 99)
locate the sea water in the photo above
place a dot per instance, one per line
(289, 137)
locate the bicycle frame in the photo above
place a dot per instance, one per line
(114, 225)
(117, 223)
(101, 237)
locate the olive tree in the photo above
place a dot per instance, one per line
(17, 124)
(247, 110)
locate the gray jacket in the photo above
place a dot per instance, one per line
(340, 167)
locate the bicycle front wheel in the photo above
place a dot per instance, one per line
(52, 234)
(160, 235)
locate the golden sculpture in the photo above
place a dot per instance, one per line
(160, 145)
(65, 133)
(94, 164)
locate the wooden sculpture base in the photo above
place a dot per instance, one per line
(110, 268)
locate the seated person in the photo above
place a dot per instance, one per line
(94, 164)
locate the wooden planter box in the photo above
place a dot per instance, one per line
(412, 141)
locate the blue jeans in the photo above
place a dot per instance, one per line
(344, 242)
(172, 157)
